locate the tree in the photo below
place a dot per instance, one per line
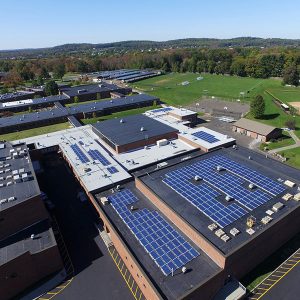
(76, 99)
(291, 75)
(257, 107)
(44, 73)
(59, 71)
(12, 80)
(40, 80)
(51, 88)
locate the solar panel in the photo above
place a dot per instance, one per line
(79, 153)
(164, 109)
(207, 137)
(232, 182)
(96, 155)
(112, 170)
(167, 248)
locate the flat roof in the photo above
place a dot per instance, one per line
(142, 157)
(17, 177)
(15, 95)
(273, 170)
(204, 137)
(21, 242)
(93, 174)
(172, 287)
(122, 131)
(90, 107)
(254, 126)
(89, 89)
(32, 102)
(182, 112)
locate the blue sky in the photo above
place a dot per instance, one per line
(42, 23)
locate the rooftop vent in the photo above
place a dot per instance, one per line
(251, 186)
(142, 128)
(122, 121)
(184, 269)
(32, 236)
(197, 178)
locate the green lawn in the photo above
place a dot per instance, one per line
(169, 89)
(33, 132)
(286, 94)
(119, 114)
(293, 157)
(286, 140)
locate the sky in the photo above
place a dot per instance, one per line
(46, 23)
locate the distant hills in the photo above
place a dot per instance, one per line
(146, 45)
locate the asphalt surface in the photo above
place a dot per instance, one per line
(288, 288)
(96, 276)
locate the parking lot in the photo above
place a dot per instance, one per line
(95, 274)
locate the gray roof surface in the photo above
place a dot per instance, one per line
(254, 126)
(73, 110)
(127, 130)
(37, 101)
(15, 95)
(266, 166)
(22, 190)
(21, 242)
(89, 89)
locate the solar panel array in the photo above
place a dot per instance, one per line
(164, 109)
(112, 170)
(79, 153)
(167, 248)
(96, 155)
(273, 187)
(207, 137)
(203, 194)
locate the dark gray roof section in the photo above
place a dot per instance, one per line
(131, 129)
(37, 102)
(21, 242)
(74, 110)
(17, 177)
(16, 96)
(89, 89)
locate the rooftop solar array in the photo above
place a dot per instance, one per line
(79, 153)
(112, 170)
(162, 110)
(167, 248)
(96, 155)
(206, 137)
(233, 181)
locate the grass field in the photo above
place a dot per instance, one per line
(286, 140)
(119, 114)
(286, 94)
(169, 89)
(293, 157)
(33, 132)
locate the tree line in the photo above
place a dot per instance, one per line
(244, 62)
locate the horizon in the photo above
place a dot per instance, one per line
(71, 22)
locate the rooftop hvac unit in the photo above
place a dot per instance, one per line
(197, 178)
(118, 188)
(220, 168)
(162, 142)
(228, 198)
(10, 199)
(184, 269)
(277, 206)
(3, 201)
(104, 200)
(9, 183)
(290, 183)
(251, 221)
(251, 186)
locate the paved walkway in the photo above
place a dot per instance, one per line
(296, 145)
